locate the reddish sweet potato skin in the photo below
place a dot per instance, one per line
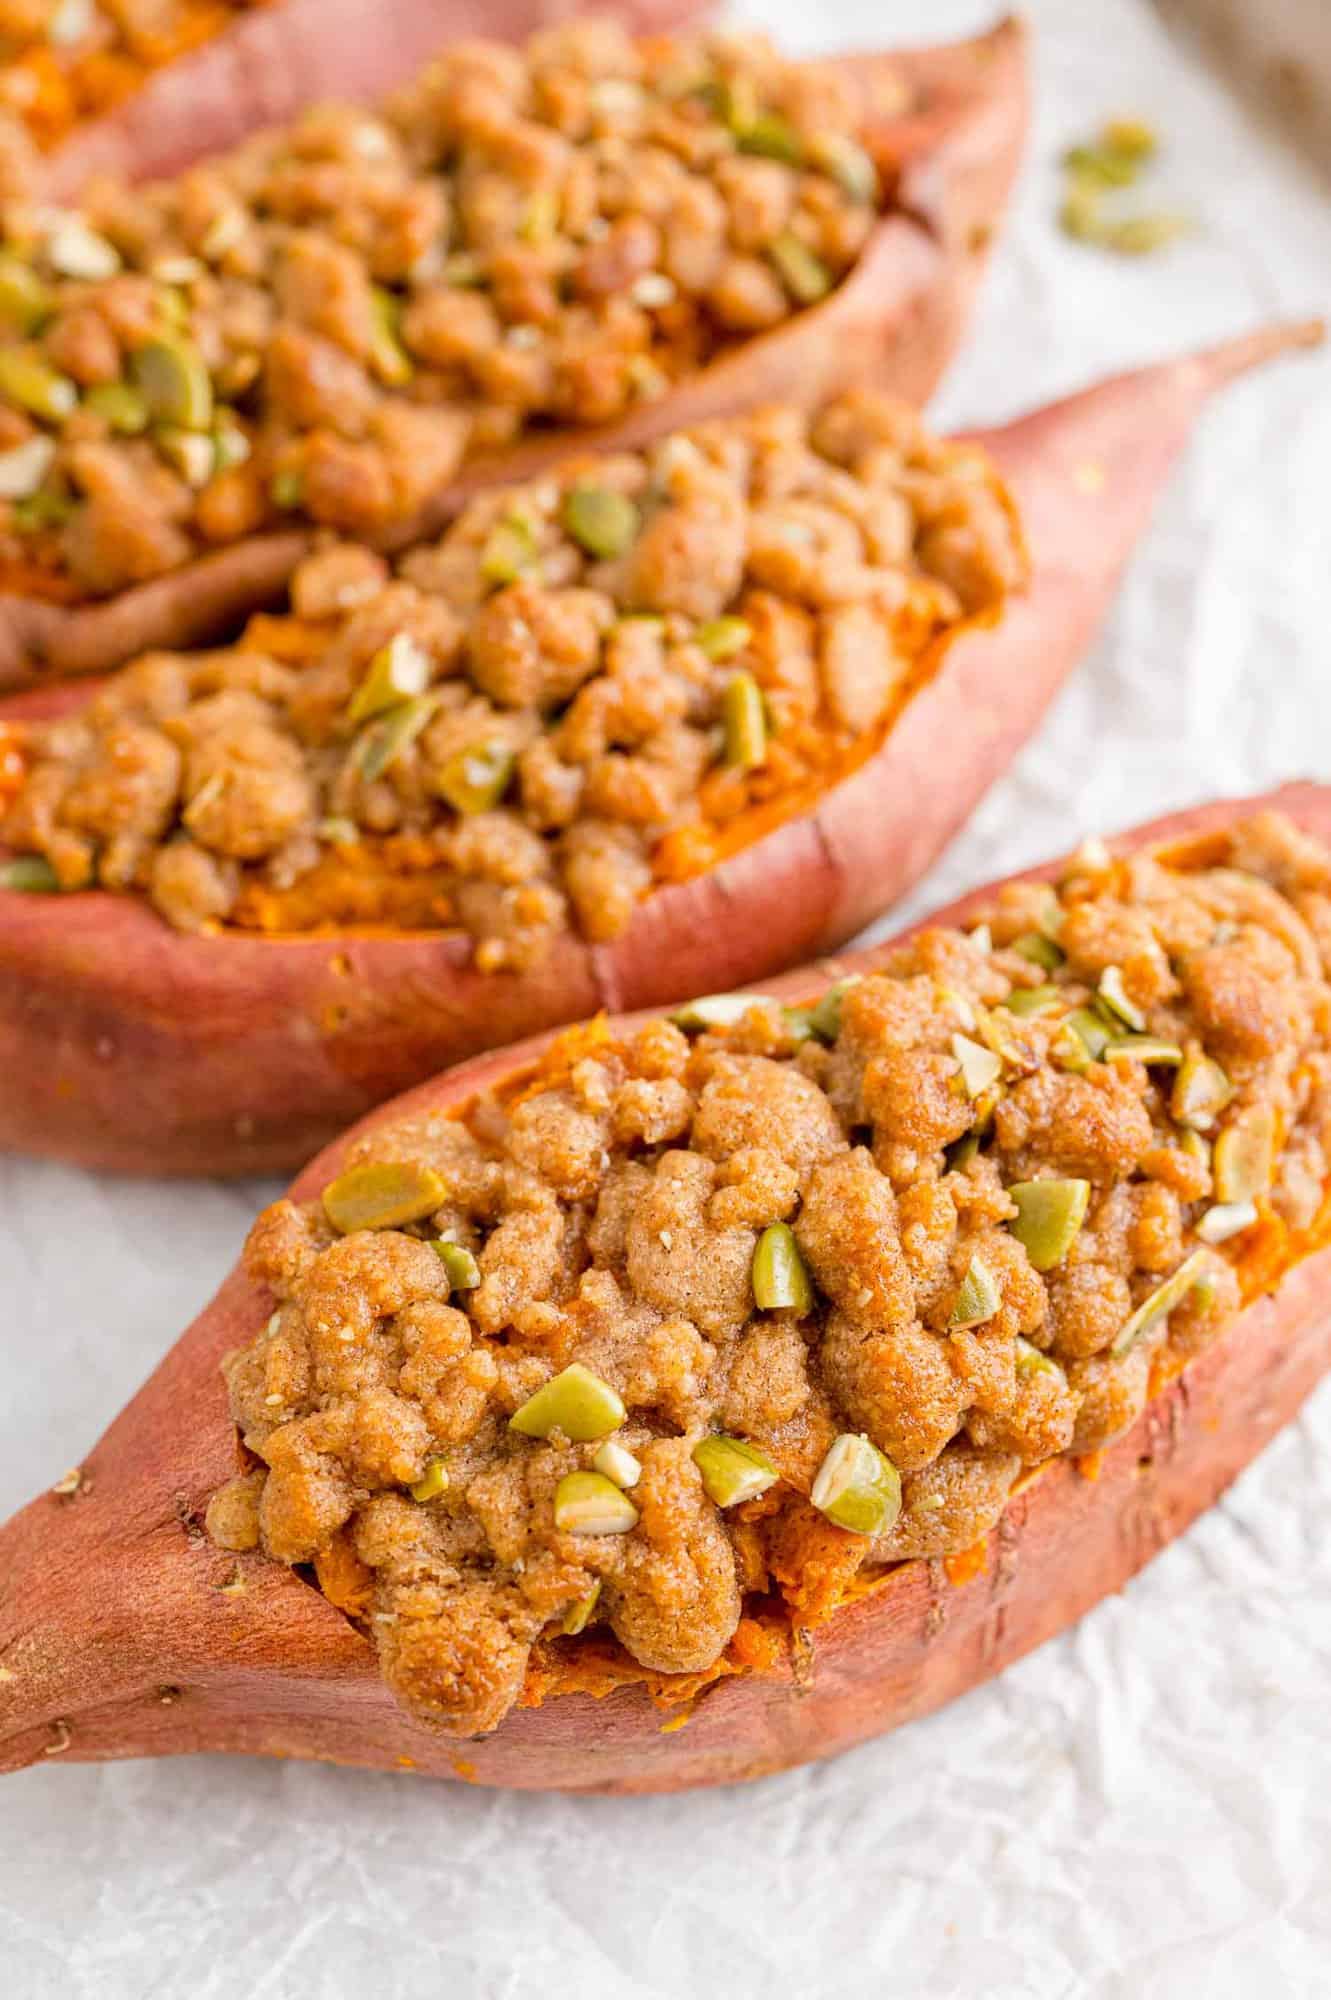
(130, 1048)
(895, 322)
(124, 1632)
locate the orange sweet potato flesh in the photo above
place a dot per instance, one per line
(129, 1047)
(894, 323)
(124, 1632)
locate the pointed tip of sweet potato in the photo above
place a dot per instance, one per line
(125, 1632)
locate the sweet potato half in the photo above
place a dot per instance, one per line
(128, 1046)
(945, 127)
(269, 61)
(125, 1632)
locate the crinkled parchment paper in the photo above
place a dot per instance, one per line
(1143, 1808)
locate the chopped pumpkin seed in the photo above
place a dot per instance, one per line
(575, 1402)
(397, 672)
(1159, 1303)
(733, 1470)
(857, 1486)
(1049, 1217)
(781, 1281)
(174, 382)
(432, 1482)
(382, 1194)
(587, 1503)
(617, 1462)
(978, 1297)
(464, 1273)
(601, 521)
(475, 780)
(744, 722)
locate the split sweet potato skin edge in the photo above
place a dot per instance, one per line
(125, 1632)
(129, 1047)
(893, 324)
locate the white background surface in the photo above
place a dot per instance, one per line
(1143, 1808)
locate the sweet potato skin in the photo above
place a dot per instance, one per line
(124, 1632)
(130, 1048)
(894, 324)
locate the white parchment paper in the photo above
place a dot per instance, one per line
(1143, 1808)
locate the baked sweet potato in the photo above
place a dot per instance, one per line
(944, 127)
(126, 1631)
(131, 1047)
(257, 65)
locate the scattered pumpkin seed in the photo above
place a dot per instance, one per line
(75, 250)
(388, 357)
(432, 1482)
(475, 780)
(1159, 1303)
(716, 1010)
(980, 1067)
(190, 453)
(1201, 1092)
(510, 548)
(978, 1297)
(769, 137)
(847, 164)
(174, 382)
(578, 1615)
(804, 275)
(1029, 1001)
(231, 444)
(540, 216)
(41, 511)
(382, 1194)
(575, 1402)
(1144, 1049)
(587, 1503)
(722, 638)
(26, 301)
(120, 405)
(781, 1281)
(601, 521)
(29, 875)
(23, 469)
(743, 722)
(1114, 996)
(464, 1273)
(617, 1462)
(733, 1470)
(825, 1014)
(857, 1486)
(397, 672)
(1139, 235)
(286, 489)
(27, 380)
(1049, 1218)
(1037, 949)
(384, 741)
(1225, 1219)
(1243, 1159)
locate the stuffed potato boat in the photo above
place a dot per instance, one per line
(142, 88)
(675, 1400)
(465, 809)
(355, 321)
